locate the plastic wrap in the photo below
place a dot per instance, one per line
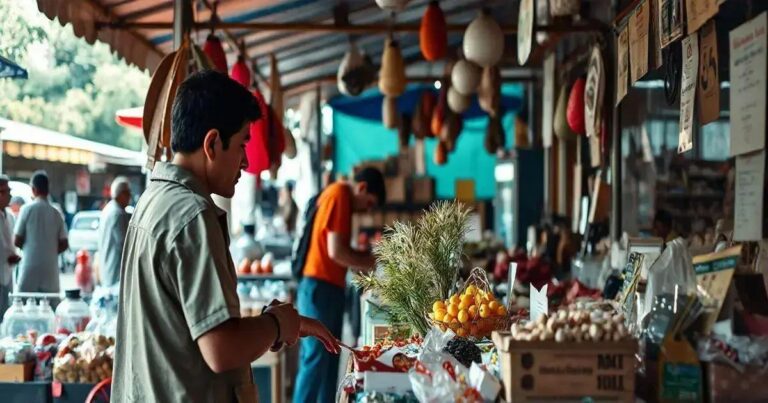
(672, 274)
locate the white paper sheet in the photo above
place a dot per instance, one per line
(539, 302)
(622, 61)
(748, 85)
(750, 207)
(688, 91)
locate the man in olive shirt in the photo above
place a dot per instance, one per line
(180, 337)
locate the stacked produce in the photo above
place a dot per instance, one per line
(84, 357)
(579, 322)
(474, 312)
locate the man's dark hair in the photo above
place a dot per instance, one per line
(209, 100)
(374, 182)
(39, 182)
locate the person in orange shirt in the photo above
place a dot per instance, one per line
(321, 290)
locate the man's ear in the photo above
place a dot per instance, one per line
(209, 143)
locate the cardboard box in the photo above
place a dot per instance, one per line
(725, 383)
(423, 190)
(396, 189)
(17, 372)
(547, 370)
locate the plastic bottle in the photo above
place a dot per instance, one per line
(47, 317)
(72, 314)
(12, 319)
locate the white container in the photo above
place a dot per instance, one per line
(14, 322)
(72, 314)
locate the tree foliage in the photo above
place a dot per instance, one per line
(73, 87)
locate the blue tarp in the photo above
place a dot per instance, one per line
(9, 69)
(359, 135)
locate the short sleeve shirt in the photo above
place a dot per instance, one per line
(112, 228)
(42, 227)
(334, 214)
(177, 283)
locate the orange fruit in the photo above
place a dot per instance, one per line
(463, 306)
(461, 332)
(438, 306)
(455, 299)
(447, 318)
(471, 290)
(439, 315)
(501, 310)
(485, 311)
(463, 316)
(467, 299)
(453, 309)
(472, 311)
(493, 305)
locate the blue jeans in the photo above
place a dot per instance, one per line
(318, 369)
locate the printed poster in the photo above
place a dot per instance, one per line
(622, 61)
(748, 85)
(593, 93)
(750, 187)
(688, 91)
(670, 21)
(709, 80)
(698, 12)
(638, 40)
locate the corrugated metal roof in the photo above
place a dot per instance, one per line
(303, 57)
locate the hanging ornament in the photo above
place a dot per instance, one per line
(433, 33)
(457, 102)
(441, 154)
(356, 72)
(422, 115)
(564, 8)
(484, 40)
(451, 130)
(257, 148)
(404, 130)
(389, 115)
(392, 5)
(438, 113)
(489, 91)
(465, 77)
(392, 74)
(560, 120)
(576, 107)
(240, 72)
(290, 144)
(494, 136)
(215, 52)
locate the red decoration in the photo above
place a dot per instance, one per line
(241, 73)
(433, 35)
(215, 52)
(576, 107)
(256, 149)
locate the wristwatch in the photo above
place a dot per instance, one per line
(278, 344)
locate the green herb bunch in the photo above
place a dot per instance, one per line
(418, 263)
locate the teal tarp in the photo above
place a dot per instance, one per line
(359, 138)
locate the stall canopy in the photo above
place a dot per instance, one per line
(359, 136)
(308, 38)
(9, 69)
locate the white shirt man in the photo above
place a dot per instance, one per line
(8, 255)
(113, 226)
(42, 235)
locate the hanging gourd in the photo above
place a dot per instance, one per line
(276, 89)
(404, 130)
(240, 72)
(433, 33)
(422, 115)
(215, 52)
(392, 5)
(494, 136)
(356, 72)
(438, 113)
(484, 40)
(560, 120)
(392, 74)
(351, 61)
(576, 107)
(257, 148)
(441, 154)
(489, 91)
(451, 130)
(389, 115)
(465, 77)
(290, 144)
(564, 8)
(457, 102)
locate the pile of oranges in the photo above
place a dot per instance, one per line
(473, 312)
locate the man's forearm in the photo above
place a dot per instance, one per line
(238, 342)
(358, 261)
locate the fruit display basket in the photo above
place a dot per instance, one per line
(472, 312)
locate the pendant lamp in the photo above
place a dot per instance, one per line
(433, 33)
(484, 40)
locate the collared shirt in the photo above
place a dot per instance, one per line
(177, 282)
(334, 214)
(42, 227)
(6, 246)
(112, 228)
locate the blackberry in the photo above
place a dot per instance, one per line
(464, 351)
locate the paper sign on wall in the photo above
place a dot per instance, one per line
(670, 21)
(548, 109)
(539, 302)
(750, 188)
(593, 93)
(709, 79)
(748, 85)
(698, 12)
(622, 61)
(688, 91)
(525, 31)
(638, 40)
(655, 35)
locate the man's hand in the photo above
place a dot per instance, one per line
(287, 320)
(13, 259)
(313, 328)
